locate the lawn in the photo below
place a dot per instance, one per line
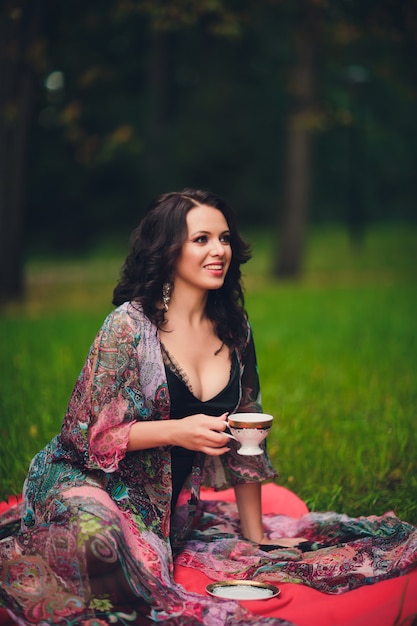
(337, 353)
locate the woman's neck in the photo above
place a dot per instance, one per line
(187, 306)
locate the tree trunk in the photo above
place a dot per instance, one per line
(357, 170)
(160, 102)
(297, 185)
(20, 55)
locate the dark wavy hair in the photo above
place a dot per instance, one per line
(154, 248)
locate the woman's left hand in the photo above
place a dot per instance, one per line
(281, 542)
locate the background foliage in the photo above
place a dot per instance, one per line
(106, 103)
(337, 354)
(134, 98)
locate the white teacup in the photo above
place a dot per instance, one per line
(250, 429)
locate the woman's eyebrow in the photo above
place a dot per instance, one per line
(208, 232)
(200, 232)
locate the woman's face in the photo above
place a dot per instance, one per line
(206, 253)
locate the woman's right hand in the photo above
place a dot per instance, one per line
(202, 433)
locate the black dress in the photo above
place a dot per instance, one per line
(183, 403)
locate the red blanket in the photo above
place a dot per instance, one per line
(380, 604)
(387, 603)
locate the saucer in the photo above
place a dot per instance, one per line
(243, 590)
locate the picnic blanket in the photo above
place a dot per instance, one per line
(366, 576)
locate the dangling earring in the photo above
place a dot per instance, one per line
(166, 294)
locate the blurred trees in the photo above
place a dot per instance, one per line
(21, 58)
(301, 122)
(293, 110)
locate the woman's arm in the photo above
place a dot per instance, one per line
(202, 433)
(249, 504)
(248, 500)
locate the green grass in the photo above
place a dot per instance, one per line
(337, 353)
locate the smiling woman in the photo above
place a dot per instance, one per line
(202, 265)
(112, 503)
(145, 428)
(207, 253)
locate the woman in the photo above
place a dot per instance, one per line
(110, 500)
(104, 503)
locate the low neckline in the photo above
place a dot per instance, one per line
(181, 375)
(188, 390)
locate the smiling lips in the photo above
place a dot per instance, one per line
(215, 267)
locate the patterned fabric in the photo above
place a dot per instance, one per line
(89, 544)
(88, 503)
(358, 551)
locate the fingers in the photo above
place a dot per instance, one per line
(214, 451)
(203, 433)
(218, 424)
(283, 542)
(216, 440)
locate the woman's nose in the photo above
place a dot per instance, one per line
(217, 248)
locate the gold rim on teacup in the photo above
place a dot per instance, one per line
(242, 422)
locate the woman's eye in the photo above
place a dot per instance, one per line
(205, 238)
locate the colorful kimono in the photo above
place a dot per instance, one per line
(87, 498)
(86, 495)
